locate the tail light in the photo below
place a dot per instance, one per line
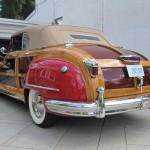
(92, 67)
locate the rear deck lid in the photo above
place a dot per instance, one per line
(113, 72)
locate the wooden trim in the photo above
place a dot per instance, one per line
(10, 89)
(108, 63)
(126, 97)
(76, 56)
(8, 74)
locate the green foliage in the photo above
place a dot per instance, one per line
(16, 9)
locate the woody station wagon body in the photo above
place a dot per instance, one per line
(73, 71)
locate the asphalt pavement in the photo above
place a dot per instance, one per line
(128, 131)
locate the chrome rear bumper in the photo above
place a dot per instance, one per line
(98, 109)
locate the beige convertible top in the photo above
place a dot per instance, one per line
(52, 35)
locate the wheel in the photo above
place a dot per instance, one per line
(38, 112)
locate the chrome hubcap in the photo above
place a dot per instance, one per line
(38, 106)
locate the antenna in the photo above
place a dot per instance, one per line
(58, 20)
(54, 3)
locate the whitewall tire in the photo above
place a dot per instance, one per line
(38, 111)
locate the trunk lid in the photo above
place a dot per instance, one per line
(113, 74)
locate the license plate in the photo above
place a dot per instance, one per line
(135, 70)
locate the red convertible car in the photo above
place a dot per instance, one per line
(73, 71)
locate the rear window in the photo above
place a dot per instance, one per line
(84, 37)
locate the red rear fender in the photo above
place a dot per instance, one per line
(48, 77)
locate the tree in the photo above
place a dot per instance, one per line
(16, 9)
(27, 7)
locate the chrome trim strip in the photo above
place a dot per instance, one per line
(121, 57)
(72, 109)
(68, 44)
(91, 110)
(141, 79)
(42, 87)
(11, 95)
(90, 64)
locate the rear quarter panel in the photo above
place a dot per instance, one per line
(47, 73)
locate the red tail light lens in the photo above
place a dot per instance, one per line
(92, 67)
(94, 71)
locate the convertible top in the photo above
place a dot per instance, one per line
(51, 35)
